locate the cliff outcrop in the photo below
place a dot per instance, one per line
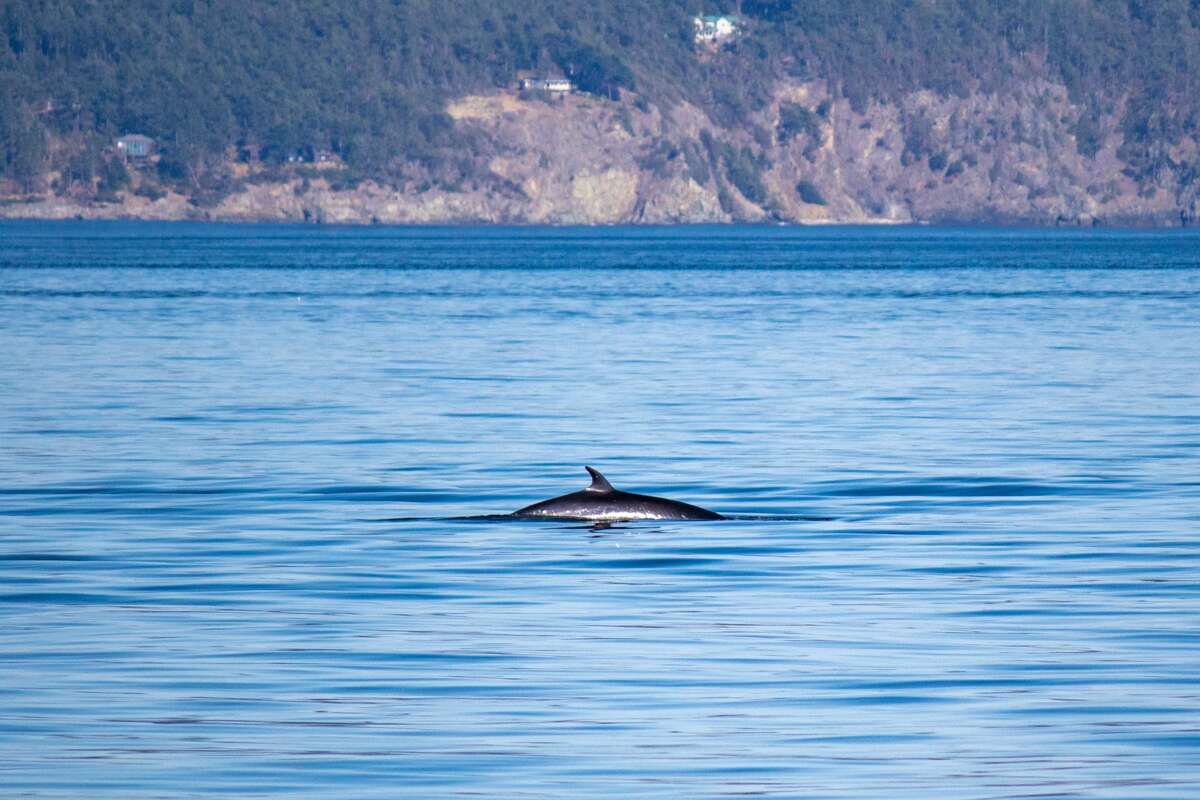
(1029, 155)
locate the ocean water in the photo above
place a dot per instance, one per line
(232, 459)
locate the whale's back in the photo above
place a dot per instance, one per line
(601, 501)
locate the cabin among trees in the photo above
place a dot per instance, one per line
(135, 147)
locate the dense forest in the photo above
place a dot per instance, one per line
(369, 79)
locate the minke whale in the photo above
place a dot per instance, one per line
(600, 501)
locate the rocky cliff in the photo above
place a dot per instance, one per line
(806, 157)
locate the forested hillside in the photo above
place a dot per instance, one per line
(369, 80)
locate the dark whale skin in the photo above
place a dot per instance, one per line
(601, 501)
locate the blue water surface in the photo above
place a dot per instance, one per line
(229, 456)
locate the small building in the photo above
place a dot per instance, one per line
(552, 85)
(135, 146)
(248, 152)
(715, 27)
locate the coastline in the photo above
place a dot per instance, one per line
(446, 211)
(584, 160)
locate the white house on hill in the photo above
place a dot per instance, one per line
(715, 27)
(554, 85)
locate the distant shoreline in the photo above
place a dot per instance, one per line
(982, 222)
(931, 226)
(177, 208)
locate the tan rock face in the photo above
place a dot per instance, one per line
(680, 199)
(607, 197)
(585, 160)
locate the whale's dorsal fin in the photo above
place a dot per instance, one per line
(599, 482)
